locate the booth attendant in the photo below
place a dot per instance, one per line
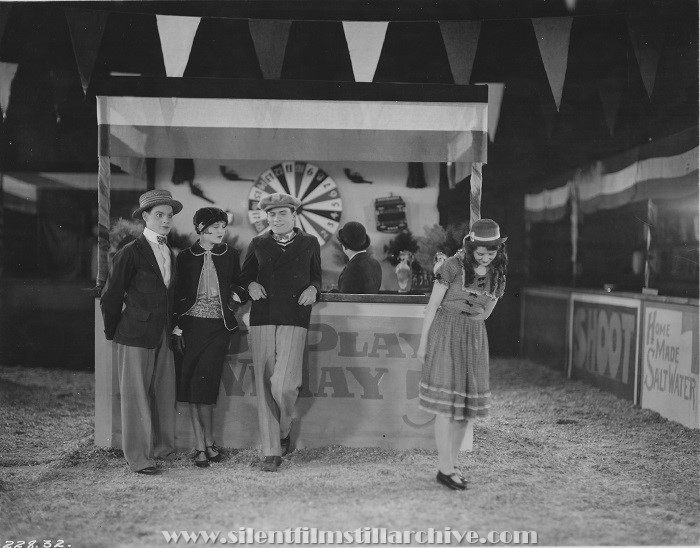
(362, 274)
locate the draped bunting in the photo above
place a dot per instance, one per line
(495, 100)
(647, 34)
(270, 40)
(461, 39)
(86, 29)
(176, 37)
(553, 40)
(665, 169)
(365, 40)
(7, 74)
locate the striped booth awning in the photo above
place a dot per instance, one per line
(265, 120)
(235, 119)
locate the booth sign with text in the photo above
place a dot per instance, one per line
(670, 363)
(604, 343)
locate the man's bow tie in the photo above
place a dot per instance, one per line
(162, 240)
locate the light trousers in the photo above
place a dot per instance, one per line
(278, 353)
(147, 388)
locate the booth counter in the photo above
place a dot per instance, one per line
(643, 348)
(359, 388)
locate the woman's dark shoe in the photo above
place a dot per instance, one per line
(201, 463)
(213, 453)
(452, 481)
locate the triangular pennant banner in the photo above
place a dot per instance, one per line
(86, 29)
(553, 40)
(270, 39)
(365, 40)
(461, 39)
(495, 100)
(176, 37)
(647, 35)
(610, 91)
(7, 74)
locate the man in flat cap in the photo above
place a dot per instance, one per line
(362, 274)
(142, 278)
(282, 272)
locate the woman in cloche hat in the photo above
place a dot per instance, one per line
(454, 347)
(206, 294)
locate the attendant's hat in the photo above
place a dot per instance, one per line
(353, 236)
(153, 198)
(485, 232)
(207, 216)
(279, 199)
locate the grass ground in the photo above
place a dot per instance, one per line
(579, 466)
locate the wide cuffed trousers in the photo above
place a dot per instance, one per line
(147, 388)
(278, 353)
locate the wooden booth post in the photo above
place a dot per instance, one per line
(106, 385)
(475, 194)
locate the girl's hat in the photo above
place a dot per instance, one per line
(485, 232)
(207, 216)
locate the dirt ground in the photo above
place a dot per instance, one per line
(576, 465)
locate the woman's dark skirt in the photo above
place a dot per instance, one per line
(206, 343)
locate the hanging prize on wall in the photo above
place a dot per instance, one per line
(321, 205)
(390, 213)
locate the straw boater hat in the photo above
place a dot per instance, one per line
(279, 199)
(153, 198)
(354, 236)
(485, 232)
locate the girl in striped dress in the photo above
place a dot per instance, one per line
(454, 347)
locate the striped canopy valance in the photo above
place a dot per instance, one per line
(228, 119)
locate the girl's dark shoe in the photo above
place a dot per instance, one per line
(213, 453)
(452, 481)
(201, 463)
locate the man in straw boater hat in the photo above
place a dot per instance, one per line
(282, 272)
(362, 274)
(142, 278)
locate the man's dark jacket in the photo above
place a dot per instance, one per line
(228, 272)
(362, 275)
(284, 274)
(136, 281)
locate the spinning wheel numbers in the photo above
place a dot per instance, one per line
(321, 205)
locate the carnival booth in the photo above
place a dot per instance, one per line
(628, 321)
(361, 374)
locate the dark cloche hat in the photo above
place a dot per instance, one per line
(156, 197)
(207, 216)
(354, 236)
